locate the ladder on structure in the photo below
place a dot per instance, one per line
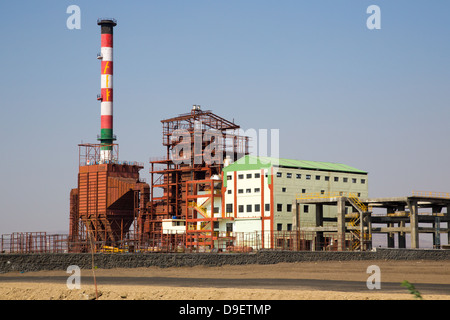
(360, 235)
(201, 209)
(199, 231)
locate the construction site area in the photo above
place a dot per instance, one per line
(209, 192)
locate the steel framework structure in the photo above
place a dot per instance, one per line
(197, 144)
(106, 202)
(200, 220)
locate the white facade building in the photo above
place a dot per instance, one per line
(256, 195)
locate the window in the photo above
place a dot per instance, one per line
(257, 175)
(241, 208)
(249, 175)
(322, 191)
(303, 190)
(279, 227)
(283, 189)
(279, 207)
(288, 175)
(327, 178)
(257, 207)
(317, 177)
(229, 208)
(229, 191)
(298, 175)
(230, 177)
(278, 174)
(178, 223)
(345, 179)
(216, 224)
(249, 208)
(353, 180)
(229, 227)
(289, 227)
(363, 181)
(256, 190)
(216, 209)
(289, 207)
(248, 190)
(267, 207)
(308, 177)
(240, 176)
(336, 179)
(240, 190)
(305, 208)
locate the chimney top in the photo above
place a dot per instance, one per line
(112, 21)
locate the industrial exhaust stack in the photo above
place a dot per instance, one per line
(110, 196)
(106, 137)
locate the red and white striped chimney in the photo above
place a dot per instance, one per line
(106, 137)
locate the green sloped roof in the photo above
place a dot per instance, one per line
(253, 163)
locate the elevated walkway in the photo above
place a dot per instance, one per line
(402, 216)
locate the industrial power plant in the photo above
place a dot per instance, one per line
(209, 193)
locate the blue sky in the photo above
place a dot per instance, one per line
(339, 92)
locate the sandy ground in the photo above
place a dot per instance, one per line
(51, 285)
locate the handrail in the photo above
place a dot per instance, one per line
(201, 209)
(445, 195)
(355, 199)
(319, 195)
(130, 163)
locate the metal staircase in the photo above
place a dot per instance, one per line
(200, 209)
(360, 236)
(199, 231)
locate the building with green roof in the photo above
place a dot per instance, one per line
(259, 192)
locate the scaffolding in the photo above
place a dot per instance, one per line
(176, 242)
(33, 242)
(198, 144)
(199, 220)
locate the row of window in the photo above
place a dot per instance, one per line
(248, 207)
(248, 190)
(297, 176)
(321, 191)
(229, 226)
(248, 176)
(257, 207)
(258, 190)
(318, 177)
(280, 228)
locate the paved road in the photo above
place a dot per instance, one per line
(287, 284)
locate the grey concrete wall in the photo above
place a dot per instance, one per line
(60, 261)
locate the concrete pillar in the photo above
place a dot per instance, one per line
(296, 215)
(436, 227)
(296, 223)
(341, 223)
(319, 223)
(402, 237)
(414, 224)
(390, 235)
(369, 228)
(448, 224)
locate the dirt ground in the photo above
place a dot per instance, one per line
(136, 284)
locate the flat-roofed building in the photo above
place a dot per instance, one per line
(259, 192)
